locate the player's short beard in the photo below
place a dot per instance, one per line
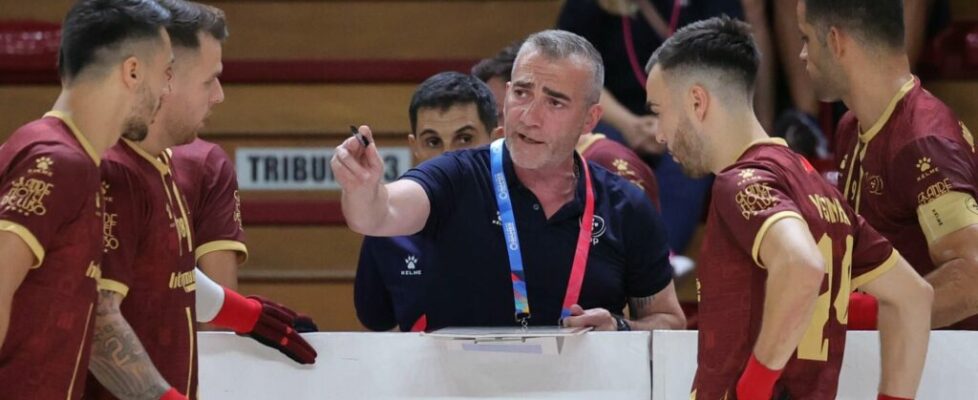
(829, 85)
(690, 149)
(141, 114)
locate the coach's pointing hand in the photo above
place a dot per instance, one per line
(357, 167)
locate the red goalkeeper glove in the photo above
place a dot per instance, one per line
(269, 323)
(862, 312)
(757, 381)
(173, 394)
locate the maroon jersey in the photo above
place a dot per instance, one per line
(621, 160)
(206, 176)
(917, 153)
(49, 183)
(149, 258)
(769, 182)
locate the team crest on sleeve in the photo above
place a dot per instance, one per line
(624, 170)
(26, 196)
(42, 166)
(754, 199)
(747, 175)
(926, 168)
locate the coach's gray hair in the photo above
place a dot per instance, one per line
(560, 45)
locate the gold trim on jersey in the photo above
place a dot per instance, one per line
(218, 245)
(767, 140)
(82, 140)
(588, 141)
(867, 136)
(81, 350)
(155, 162)
(183, 223)
(768, 223)
(190, 366)
(871, 275)
(947, 213)
(853, 189)
(29, 239)
(112, 286)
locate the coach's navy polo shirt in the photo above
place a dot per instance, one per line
(470, 281)
(390, 281)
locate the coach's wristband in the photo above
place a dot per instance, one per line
(863, 310)
(885, 397)
(173, 394)
(757, 381)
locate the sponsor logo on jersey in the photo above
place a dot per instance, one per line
(94, 271)
(411, 266)
(184, 280)
(754, 199)
(926, 168)
(934, 191)
(26, 196)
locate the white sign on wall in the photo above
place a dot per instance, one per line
(303, 168)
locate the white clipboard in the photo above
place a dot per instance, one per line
(536, 340)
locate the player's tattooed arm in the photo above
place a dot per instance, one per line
(118, 359)
(659, 311)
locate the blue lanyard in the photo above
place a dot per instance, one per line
(505, 205)
(503, 201)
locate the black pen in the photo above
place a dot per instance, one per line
(363, 139)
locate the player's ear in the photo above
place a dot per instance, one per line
(698, 101)
(413, 143)
(594, 114)
(835, 40)
(131, 72)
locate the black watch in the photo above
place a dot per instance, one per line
(621, 323)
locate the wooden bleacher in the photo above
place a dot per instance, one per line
(298, 72)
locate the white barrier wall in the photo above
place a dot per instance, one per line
(405, 365)
(595, 365)
(951, 371)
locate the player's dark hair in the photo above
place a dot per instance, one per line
(876, 21)
(96, 31)
(719, 43)
(499, 65)
(447, 89)
(190, 18)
